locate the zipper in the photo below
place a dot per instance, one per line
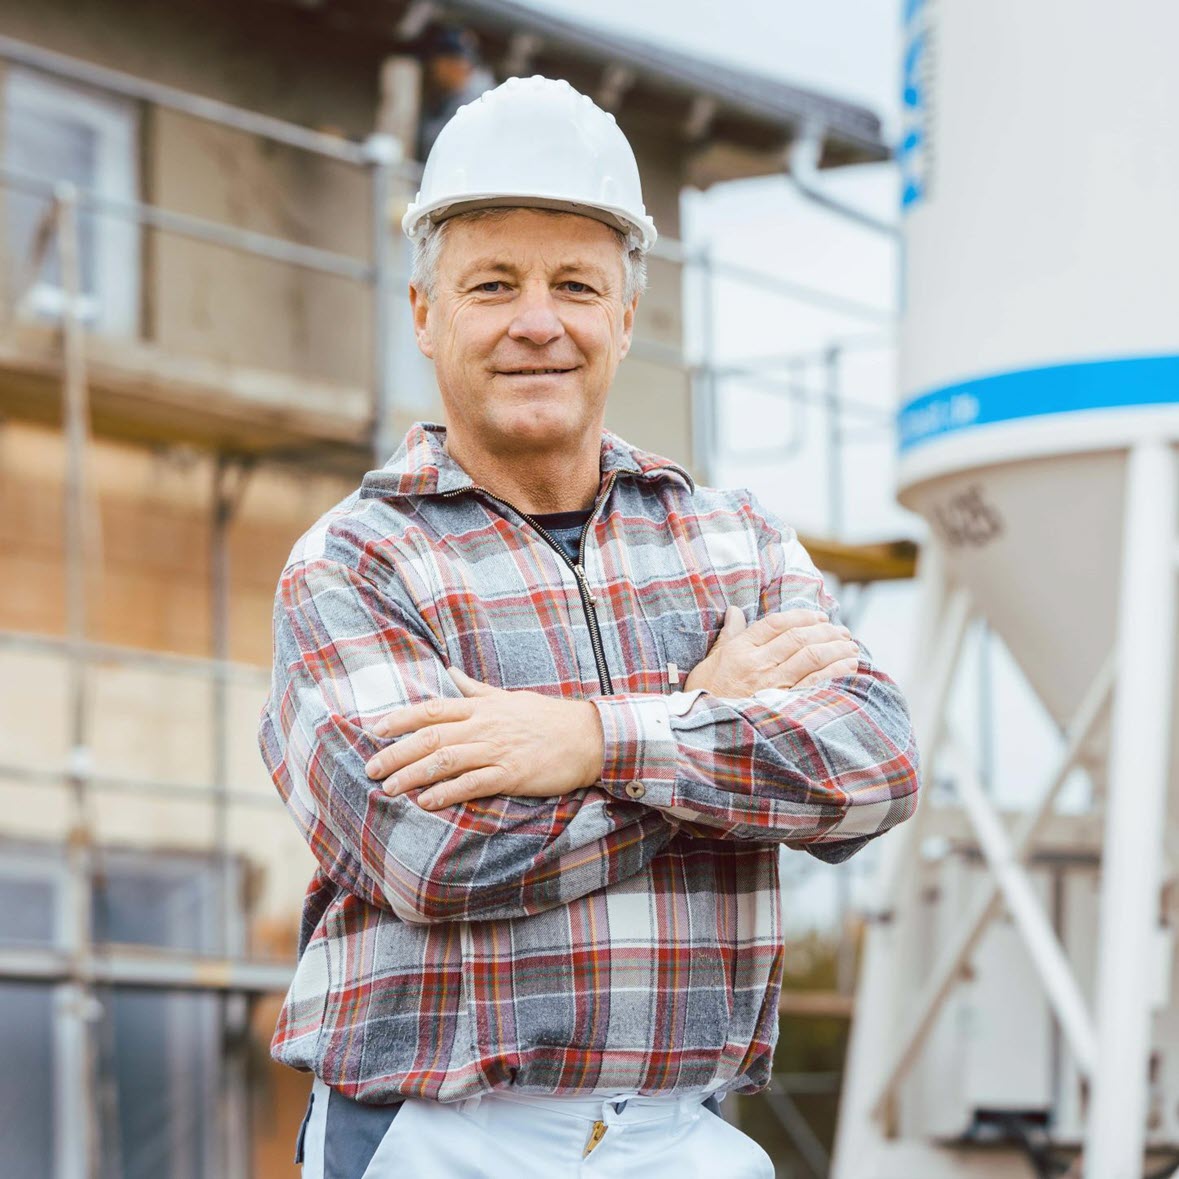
(589, 600)
(596, 1136)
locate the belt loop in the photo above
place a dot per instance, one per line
(470, 1106)
(613, 1109)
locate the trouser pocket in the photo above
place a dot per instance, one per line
(301, 1140)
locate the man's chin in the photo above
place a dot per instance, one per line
(537, 429)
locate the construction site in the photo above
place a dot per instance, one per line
(205, 343)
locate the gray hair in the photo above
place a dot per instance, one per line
(428, 249)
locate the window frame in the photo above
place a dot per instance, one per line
(46, 864)
(113, 308)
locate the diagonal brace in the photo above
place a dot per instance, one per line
(939, 653)
(1092, 709)
(1048, 956)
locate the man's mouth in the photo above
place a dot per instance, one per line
(532, 372)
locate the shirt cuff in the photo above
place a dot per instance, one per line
(640, 749)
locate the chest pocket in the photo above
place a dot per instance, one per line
(684, 642)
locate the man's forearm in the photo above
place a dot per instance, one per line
(496, 857)
(492, 741)
(826, 764)
(522, 743)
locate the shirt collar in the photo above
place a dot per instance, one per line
(422, 466)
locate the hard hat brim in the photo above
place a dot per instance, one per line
(641, 234)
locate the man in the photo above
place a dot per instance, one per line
(452, 75)
(545, 712)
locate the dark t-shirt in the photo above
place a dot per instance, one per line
(565, 528)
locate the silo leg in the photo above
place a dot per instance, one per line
(1135, 818)
(888, 965)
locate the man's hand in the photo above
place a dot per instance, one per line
(523, 743)
(794, 649)
(491, 742)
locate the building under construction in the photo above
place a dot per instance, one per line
(203, 344)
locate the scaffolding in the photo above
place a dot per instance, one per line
(80, 967)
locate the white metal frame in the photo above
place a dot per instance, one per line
(1135, 813)
(1111, 1044)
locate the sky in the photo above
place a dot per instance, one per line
(849, 49)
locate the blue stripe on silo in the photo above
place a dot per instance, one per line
(1028, 393)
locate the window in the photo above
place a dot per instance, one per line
(57, 131)
(160, 1053)
(30, 916)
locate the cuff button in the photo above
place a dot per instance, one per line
(636, 790)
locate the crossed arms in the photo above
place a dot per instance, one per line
(523, 743)
(577, 794)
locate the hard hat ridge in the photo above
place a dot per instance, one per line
(533, 142)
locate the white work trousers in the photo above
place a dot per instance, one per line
(511, 1136)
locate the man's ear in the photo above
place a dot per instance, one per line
(628, 326)
(420, 306)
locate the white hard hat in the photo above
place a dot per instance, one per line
(538, 143)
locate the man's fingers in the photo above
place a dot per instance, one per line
(734, 624)
(421, 744)
(416, 716)
(768, 628)
(780, 648)
(479, 783)
(448, 761)
(469, 686)
(815, 658)
(834, 671)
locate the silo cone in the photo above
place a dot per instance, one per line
(1038, 432)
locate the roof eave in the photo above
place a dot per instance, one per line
(852, 132)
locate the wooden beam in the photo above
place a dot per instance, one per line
(522, 48)
(414, 20)
(616, 81)
(140, 394)
(399, 111)
(830, 1004)
(894, 560)
(699, 118)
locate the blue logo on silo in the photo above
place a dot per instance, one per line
(913, 151)
(1113, 383)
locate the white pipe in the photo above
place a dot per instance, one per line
(803, 166)
(76, 1086)
(1132, 859)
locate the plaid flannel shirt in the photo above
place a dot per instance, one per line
(623, 937)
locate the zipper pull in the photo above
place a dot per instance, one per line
(581, 576)
(596, 1136)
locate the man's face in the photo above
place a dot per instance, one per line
(449, 72)
(526, 291)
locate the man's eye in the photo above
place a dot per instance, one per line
(490, 287)
(578, 288)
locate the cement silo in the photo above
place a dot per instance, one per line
(1038, 431)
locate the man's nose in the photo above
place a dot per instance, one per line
(536, 319)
